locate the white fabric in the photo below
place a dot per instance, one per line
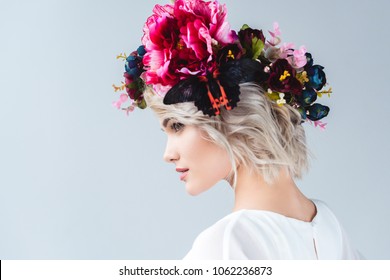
(258, 234)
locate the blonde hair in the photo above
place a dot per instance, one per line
(257, 134)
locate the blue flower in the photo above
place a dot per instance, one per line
(316, 112)
(308, 96)
(141, 51)
(317, 77)
(315, 73)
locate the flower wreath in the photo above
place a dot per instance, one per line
(189, 53)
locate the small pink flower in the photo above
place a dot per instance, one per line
(276, 32)
(320, 124)
(296, 58)
(286, 50)
(275, 40)
(300, 59)
(122, 99)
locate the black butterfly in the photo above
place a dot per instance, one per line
(220, 88)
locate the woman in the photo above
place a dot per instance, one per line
(232, 106)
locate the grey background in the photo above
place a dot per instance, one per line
(80, 180)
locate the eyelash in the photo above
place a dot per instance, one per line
(177, 126)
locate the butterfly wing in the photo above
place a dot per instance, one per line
(191, 89)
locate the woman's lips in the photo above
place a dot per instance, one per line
(183, 171)
(183, 175)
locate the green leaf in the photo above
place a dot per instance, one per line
(245, 26)
(257, 47)
(142, 104)
(133, 85)
(273, 96)
(137, 94)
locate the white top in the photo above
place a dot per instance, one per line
(258, 234)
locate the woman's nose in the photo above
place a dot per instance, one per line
(170, 154)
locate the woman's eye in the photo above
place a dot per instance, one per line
(177, 126)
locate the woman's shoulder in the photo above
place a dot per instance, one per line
(237, 234)
(210, 243)
(217, 232)
(233, 221)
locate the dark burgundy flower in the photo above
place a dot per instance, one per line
(228, 53)
(134, 86)
(282, 78)
(252, 40)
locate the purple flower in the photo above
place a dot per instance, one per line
(282, 78)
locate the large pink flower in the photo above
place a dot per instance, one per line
(180, 40)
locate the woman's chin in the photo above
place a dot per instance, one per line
(193, 190)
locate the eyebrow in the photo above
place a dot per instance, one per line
(165, 122)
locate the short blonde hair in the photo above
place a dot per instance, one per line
(258, 133)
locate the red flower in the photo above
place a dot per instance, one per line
(179, 41)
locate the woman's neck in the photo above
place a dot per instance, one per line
(282, 196)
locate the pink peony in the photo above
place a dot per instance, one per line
(180, 40)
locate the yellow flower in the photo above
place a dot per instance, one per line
(284, 76)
